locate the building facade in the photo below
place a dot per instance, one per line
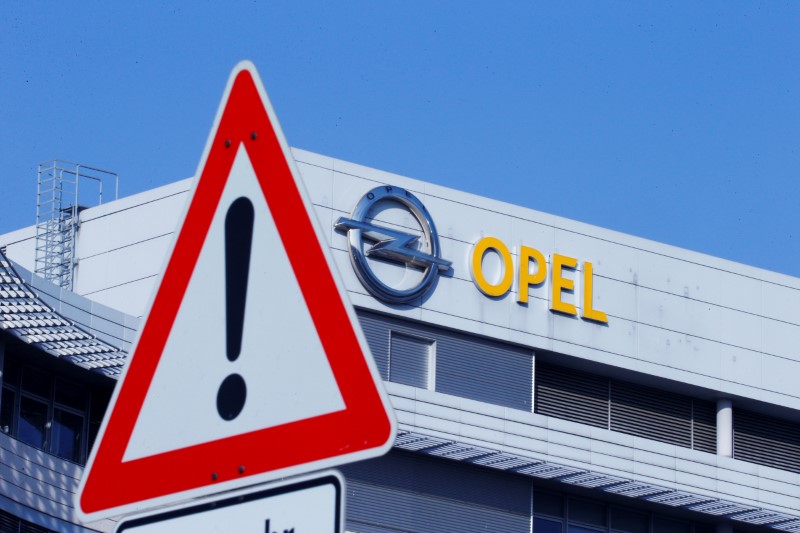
(547, 375)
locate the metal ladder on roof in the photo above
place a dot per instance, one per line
(58, 207)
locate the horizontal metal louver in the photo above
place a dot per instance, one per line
(651, 413)
(94, 429)
(466, 365)
(704, 426)
(625, 407)
(766, 441)
(409, 358)
(10, 523)
(377, 333)
(571, 395)
(483, 370)
(404, 492)
(27, 527)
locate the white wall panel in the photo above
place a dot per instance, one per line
(459, 253)
(458, 221)
(123, 228)
(699, 282)
(122, 265)
(780, 338)
(378, 177)
(609, 259)
(780, 375)
(533, 317)
(532, 234)
(453, 294)
(319, 183)
(699, 319)
(620, 338)
(740, 365)
(311, 158)
(131, 298)
(780, 302)
(325, 218)
(682, 352)
(615, 298)
(347, 190)
(21, 246)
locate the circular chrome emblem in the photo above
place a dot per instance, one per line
(392, 245)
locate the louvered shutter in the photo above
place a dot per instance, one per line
(651, 413)
(376, 330)
(409, 359)
(408, 492)
(571, 395)
(766, 441)
(483, 370)
(466, 365)
(704, 426)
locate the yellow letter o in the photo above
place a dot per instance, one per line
(497, 246)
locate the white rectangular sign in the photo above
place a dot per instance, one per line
(311, 504)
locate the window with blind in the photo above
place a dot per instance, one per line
(462, 365)
(408, 492)
(13, 524)
(625, 407)
(410, 360)
(765, 440)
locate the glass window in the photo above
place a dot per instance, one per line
(11, 371)
(548, 503)
(7, 411)
(70, 394)
(581, 529)
(409, 359)
(48, 412)
(627, 521)
(32, 422)
(664, 525)
(99, 404)
(35, 382)
(67, 435)
(543, 525)
(589, 513)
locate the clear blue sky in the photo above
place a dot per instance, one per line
(674, 121)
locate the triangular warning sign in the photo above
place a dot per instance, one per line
(250, 364)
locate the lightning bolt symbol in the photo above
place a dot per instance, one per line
(392, 245)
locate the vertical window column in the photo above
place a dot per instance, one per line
(724, 527)
(725, 427)
(411, 361)
(6, 396)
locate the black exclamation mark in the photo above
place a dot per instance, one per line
(238, 241)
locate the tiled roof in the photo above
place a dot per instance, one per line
(24, 315)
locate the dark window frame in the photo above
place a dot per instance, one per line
(15, 386)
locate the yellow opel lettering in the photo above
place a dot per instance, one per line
(560, 283)
(588, 311)
(563, 296)
(526, 277)
(495, 245)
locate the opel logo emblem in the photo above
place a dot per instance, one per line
(392, 245)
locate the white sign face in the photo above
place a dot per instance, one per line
(307, 505)
(281, 360)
